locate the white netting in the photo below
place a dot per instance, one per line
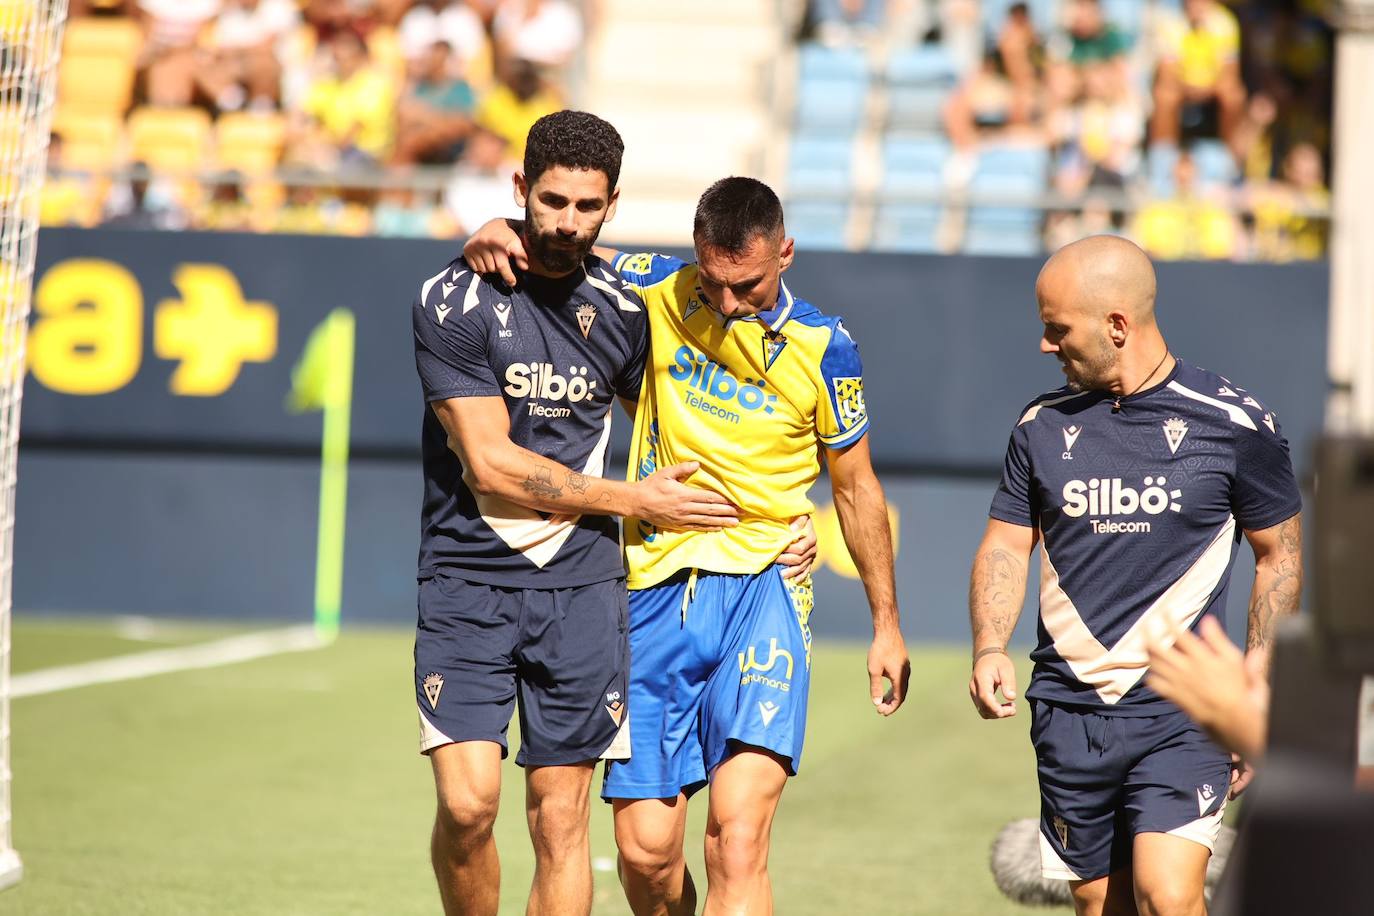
(30, 43)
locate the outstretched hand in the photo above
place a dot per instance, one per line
(494, 247)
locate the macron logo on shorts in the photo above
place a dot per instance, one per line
(615, 706)
(1205, 796)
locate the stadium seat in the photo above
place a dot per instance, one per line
(918, 82)
(1160, 160)
(250, 142)
(817, 62)
(1010, 171)
(384, 48)
(818, 224)
(90, 142)
(170, 139)
(103, 36)
(923, 65)
(819, 166)
(907, 228)
(1002, 231)
(1215, 164)
(830, 107)
(914, 165)
(100, 83)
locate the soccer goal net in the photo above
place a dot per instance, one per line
(30, 43)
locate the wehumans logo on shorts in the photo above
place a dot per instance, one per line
(1110, 496)
(749, 662)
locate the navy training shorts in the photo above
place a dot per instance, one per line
(562, 655)
(1106, 778)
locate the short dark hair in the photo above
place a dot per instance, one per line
(734, 211)
(574, 140)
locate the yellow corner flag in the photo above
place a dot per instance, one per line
(323, 380)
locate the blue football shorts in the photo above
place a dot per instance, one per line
(717, 662)
(561, 655)
(1106, 778)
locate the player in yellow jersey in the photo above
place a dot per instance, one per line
(755, 385)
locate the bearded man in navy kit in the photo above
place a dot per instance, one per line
(522, 595)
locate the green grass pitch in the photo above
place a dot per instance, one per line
(291, 785)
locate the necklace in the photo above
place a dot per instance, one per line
(1116, 402)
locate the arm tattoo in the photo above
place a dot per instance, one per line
(1278, 586)
(540, 483)
(578, 483)
(995, 594)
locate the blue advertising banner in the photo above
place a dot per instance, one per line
(184, 339)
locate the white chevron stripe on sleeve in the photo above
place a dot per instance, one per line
(1049, 402)
(624, 304)
(1238, 416)
(429, 285)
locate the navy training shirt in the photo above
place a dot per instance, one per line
(558, 351)
(1141, 513)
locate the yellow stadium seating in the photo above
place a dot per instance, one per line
(170, 139)
(91, 36)
(384, 49)
(250, 142)
(90, 142)
(96, 83)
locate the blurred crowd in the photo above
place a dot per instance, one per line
(1197, 127)
(316, 116)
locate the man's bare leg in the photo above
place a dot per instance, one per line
(744, 797)
(467, 780)
(1170, 875)
(653, 870)
(557, 809)
(1109, 896)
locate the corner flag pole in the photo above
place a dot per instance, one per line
(323, 380)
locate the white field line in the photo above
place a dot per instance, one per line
(165, 661)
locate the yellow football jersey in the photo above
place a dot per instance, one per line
(750, 399)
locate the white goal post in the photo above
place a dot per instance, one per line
(30, 44)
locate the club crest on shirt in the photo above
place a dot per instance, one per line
(1174, 431)
(433, 683)
(773, 344)
(849, 400)
(586, 314)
